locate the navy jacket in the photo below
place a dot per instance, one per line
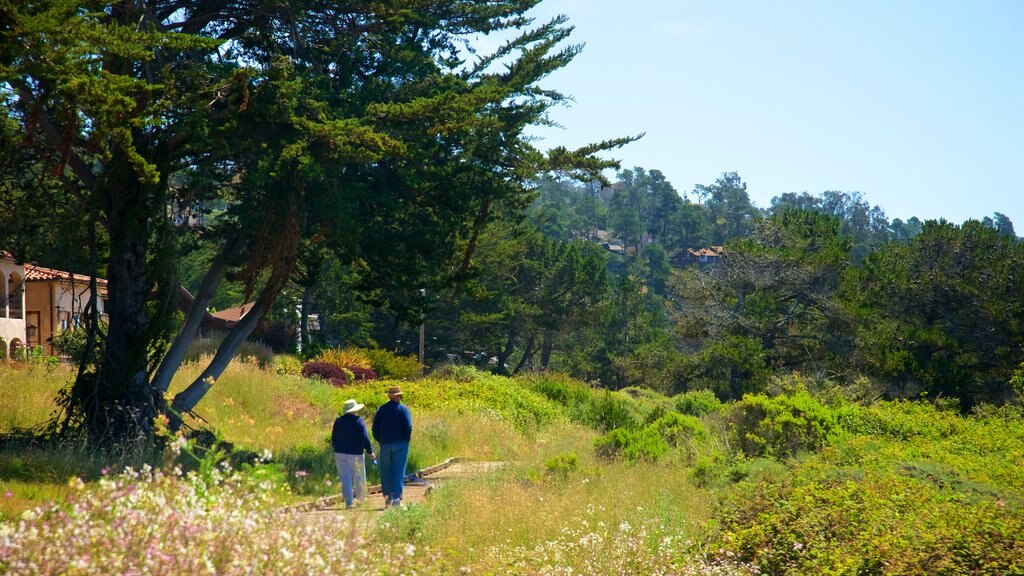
(392, 424)
(349, 435)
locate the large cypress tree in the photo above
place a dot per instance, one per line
(368, 127)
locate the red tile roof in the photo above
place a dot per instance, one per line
(40, 273)
(233, 314)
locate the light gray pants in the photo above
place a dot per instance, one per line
(352, 473)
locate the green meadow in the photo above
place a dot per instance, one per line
(593, 482)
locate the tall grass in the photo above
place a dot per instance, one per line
(558, 510)
(27, 393)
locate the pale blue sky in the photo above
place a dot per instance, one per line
(918, 105)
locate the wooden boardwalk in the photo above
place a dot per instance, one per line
(417, 487)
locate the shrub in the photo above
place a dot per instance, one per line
(255, 352)
(334, 374)
(457, 372)
(287, 364)
(389, 365)
(782, 426)
(609, 411)
(651, 442)
(360, 373)
(347, 357)
(562, 466)
(698, 403)
(577, 397)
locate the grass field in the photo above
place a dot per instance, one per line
(626, 482)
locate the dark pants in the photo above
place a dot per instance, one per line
(392, 469)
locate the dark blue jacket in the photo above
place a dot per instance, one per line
(349, 435)
(392, 423)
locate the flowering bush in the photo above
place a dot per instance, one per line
(151, 522)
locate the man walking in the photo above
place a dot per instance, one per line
(392, 429)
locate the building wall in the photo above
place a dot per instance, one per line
(57, 305)
(12, 329)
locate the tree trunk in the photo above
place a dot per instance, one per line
(545, 351)
(527, 354)
(116, 401)
(188, 398)
(307, 298)
(176, 353)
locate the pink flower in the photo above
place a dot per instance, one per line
(8, 494)
(300, 473)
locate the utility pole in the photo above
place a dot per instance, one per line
(423, 294)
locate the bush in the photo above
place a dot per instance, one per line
(698, 403)
(287, 364)
(347, 357)
(255, 352)
(651, 442)
(329, 372)
(608, 412)
(782, 426)
(458, 372)
(362, 374)
(389, 365)
(561, 467)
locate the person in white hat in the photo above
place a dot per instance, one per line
(350, 441)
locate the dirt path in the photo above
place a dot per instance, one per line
(415, 492)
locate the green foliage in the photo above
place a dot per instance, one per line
(942, 314)
(287, 364)
(391, 365)
(782, 426)
(610, 411)
(344, 358)
(1017, 380)
(697, 403)
(652, 441)
(73, 343)
(562, 467)
(458, 373)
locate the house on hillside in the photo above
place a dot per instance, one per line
(41, 302)
(699, 257)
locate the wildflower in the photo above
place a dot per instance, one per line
(180, 443)
(8, 494)
(798, 546)
(76, 483)
(300, 473)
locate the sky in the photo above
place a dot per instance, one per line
(918, 105)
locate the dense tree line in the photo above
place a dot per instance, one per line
(824, 285)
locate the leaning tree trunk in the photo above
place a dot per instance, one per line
(188, 398)
(207, 288)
